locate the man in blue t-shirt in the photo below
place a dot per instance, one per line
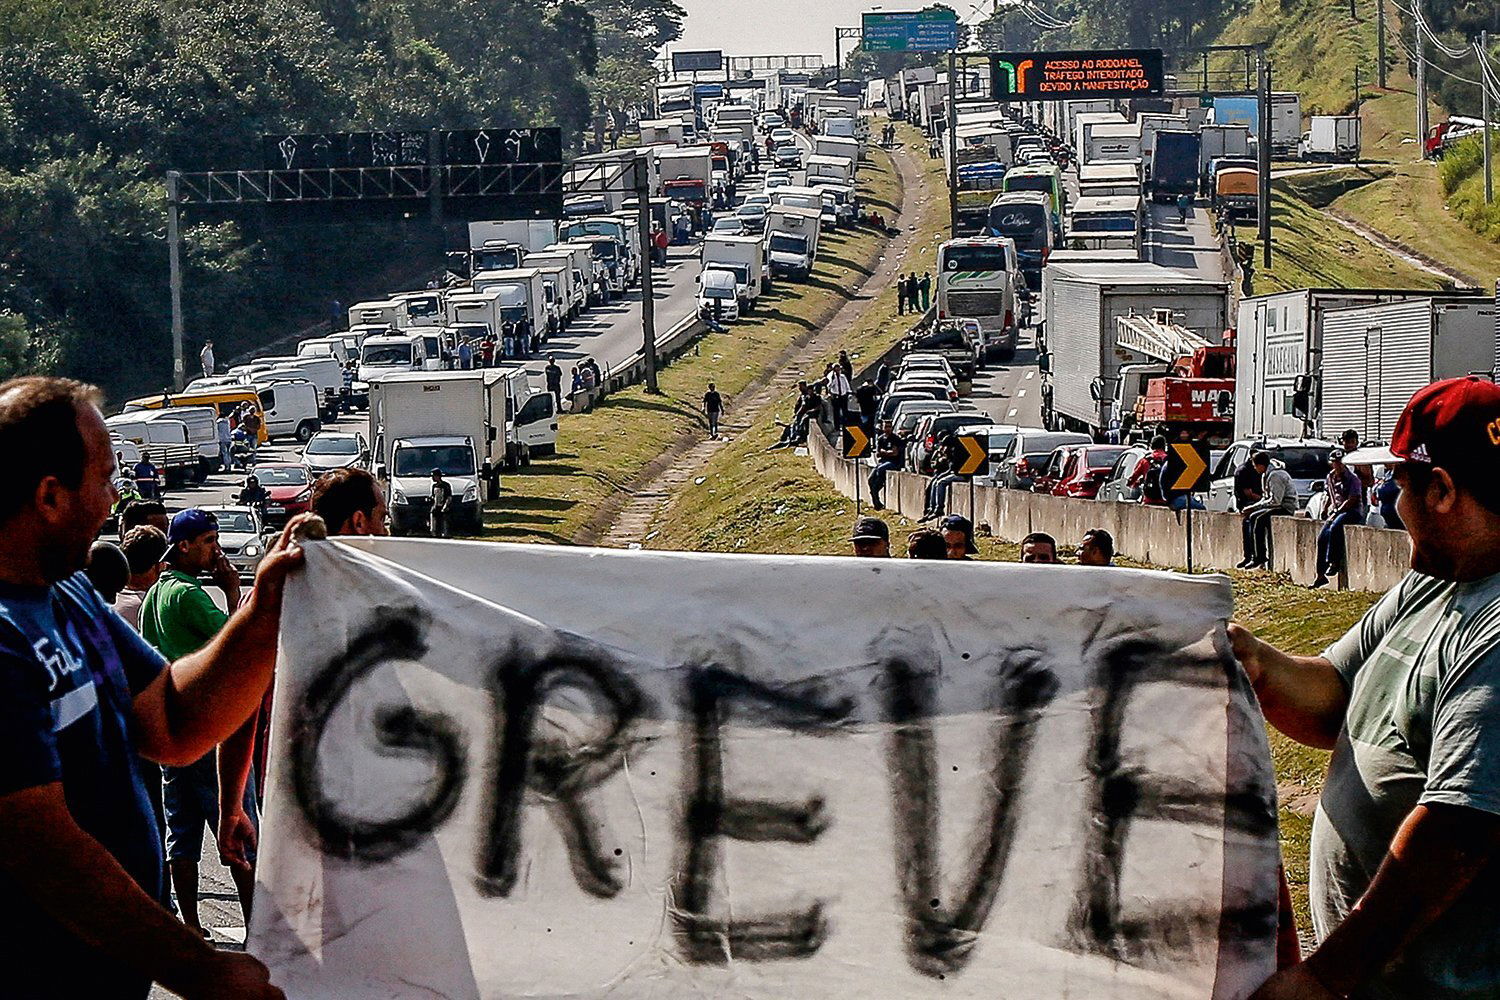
(81, 694)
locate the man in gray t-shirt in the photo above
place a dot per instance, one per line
(1405, 901)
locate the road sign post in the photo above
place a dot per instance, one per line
(1186, 473)
(975, 463)
(856, 445)
(934, 30)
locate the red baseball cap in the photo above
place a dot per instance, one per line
(1454, 423)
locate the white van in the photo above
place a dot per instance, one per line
(290, 409)
(323, 371)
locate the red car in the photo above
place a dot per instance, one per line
(1085, 468)
(290, 488)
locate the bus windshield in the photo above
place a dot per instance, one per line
(1026, 224)
(974, 258)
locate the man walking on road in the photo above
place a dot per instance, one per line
(554, 381)
(442, 502)
(81, 694)
(713, 408)
(1278, 498)
(206, 358)
(179, 618)
(1402, 875)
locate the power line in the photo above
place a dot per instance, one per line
(1423, 26)
(1432, 65)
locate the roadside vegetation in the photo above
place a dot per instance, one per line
(604, 454)
(98, 100)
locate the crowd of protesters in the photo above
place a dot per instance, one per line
(114, 660)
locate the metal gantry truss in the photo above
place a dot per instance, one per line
(322, 184)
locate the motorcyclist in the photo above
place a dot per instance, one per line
(253, 495)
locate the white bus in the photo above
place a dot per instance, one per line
(977, 279)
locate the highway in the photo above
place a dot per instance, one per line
(610, 335)
(1011, 393)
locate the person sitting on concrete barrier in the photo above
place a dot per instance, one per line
(1097, 548)
(925, 543)
(871, 538)
(867, 398)
(958, 537)
(1405, 835)
(1278, 498)
(947, 457)
(1346, 505)
(1039, 547)
(890, 452)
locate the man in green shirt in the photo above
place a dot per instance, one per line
(1405, 900)
(178, 617)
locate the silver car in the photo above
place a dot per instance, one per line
(241, 537)
(1116, 485)
(329, 450)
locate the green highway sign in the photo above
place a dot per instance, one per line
(911, 31)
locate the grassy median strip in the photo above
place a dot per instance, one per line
(601, 454)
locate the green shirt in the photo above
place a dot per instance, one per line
(1422, 727)
(178, 617)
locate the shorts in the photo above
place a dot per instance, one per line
(190, 798)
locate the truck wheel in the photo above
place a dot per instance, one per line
(306, 430)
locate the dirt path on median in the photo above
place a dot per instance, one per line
(626, 522)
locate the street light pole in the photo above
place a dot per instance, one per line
(953, 143)
(648, 290)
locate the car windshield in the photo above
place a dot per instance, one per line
(234, 522)
(1303, 463)
(333, 446)
(452, 459)
(711, 292)
(788, 244)
(393, 354)
(1026, 224)
(978, 258)
(728, 225)
(1102, 458)
(754, 210)
(284, 475)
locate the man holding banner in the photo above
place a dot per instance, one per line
(1404, 892)
(80, 695)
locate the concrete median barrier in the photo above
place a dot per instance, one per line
(1377, 557)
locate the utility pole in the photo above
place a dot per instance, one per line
(1484, 88)
(1420, 58)
(648, 289)
(1380, 42)
(174, 264)
(952, 143)
(1263, 199)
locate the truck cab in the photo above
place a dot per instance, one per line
(718, 295)
(391, 353)
(409, 476)
(792, 240)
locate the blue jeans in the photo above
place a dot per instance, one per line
(190, 797)
(877, 478)
(1331, 541)
(1181, 502)
(937, 491)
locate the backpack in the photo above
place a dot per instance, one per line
(1151, 488)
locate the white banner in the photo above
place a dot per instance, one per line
(534, 771)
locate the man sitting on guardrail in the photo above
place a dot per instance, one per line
(1278, 498)
(890, 453)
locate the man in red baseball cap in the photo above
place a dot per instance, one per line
(1405, 900)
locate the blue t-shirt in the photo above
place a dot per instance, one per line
(69, 670)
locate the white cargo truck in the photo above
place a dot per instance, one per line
(476, 307)
(831, 145)
(1279, 348)
(573, 281)
(470, 424)
(622, 231)
(686, 174)
(822, 170)
(1286, 122)
(1376, 356)
(792, 240)
(562, 290)
(1082, 124)
(1331, 137)
(667, 131)
(1082, 358)
(388, 313)
(582, 257)
(387, 354)
(744, 257)
(523, 296)
(1104, 143)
